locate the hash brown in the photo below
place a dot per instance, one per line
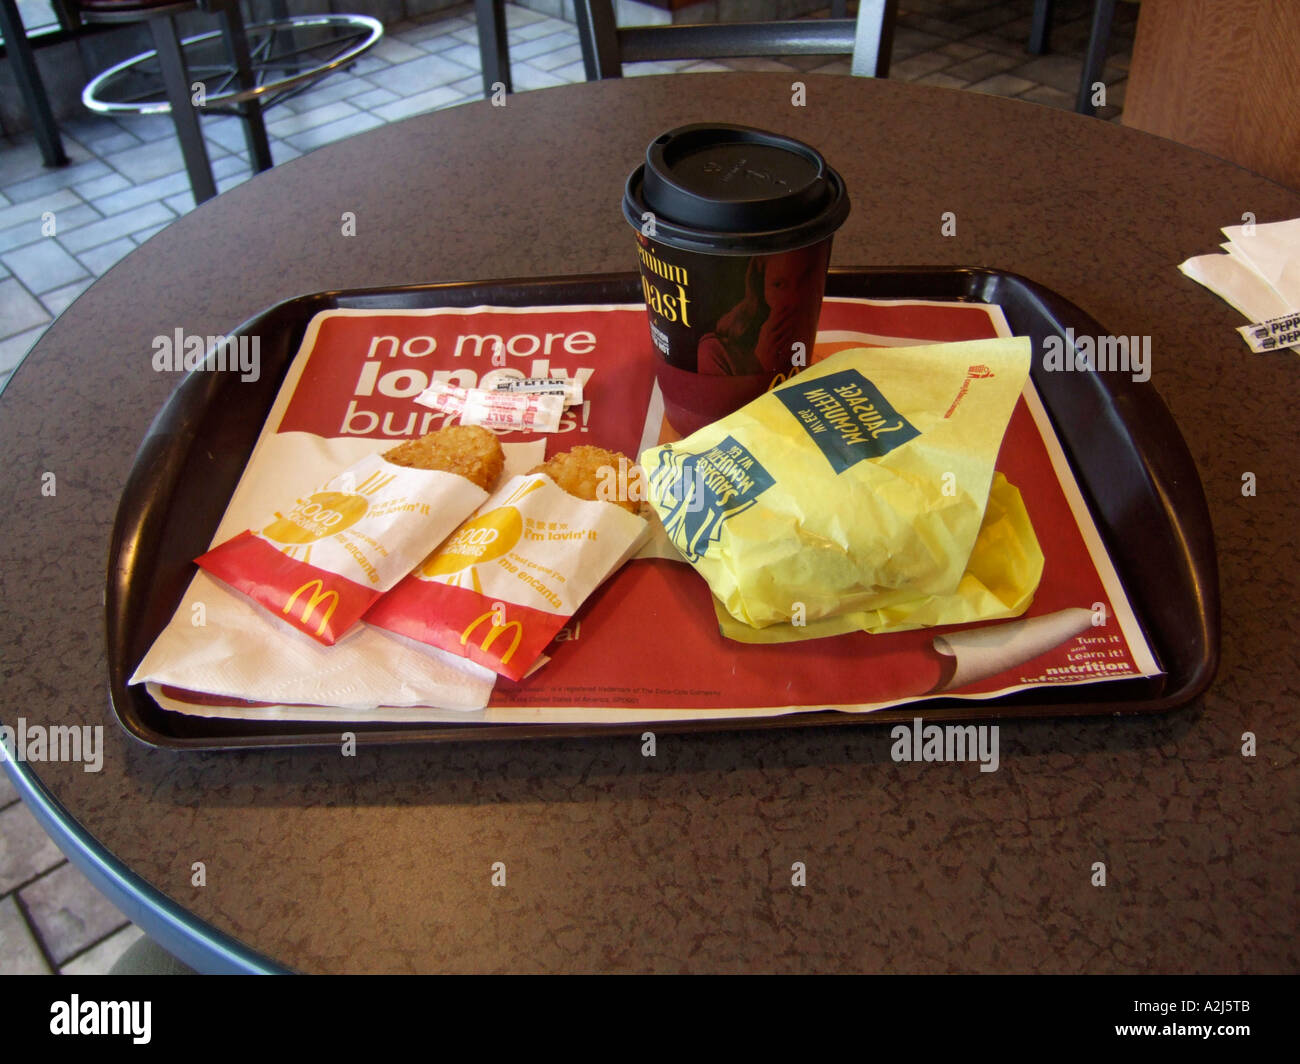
(466, 450)
(581, 471)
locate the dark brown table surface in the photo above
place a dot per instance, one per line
(615, 862)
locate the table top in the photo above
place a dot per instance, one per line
(383, 861)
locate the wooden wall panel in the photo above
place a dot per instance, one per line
(1222, 76)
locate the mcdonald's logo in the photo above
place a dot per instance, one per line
(495, 631)
(317, 597)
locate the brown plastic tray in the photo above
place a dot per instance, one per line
(1126, 451)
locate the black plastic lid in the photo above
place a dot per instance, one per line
(726, 189)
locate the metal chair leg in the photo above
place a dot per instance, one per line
(873, 41)
(176, 79)
(232, 31)
(598, 35)
(31, 86)
(280, 12)
(1102, 14)
(493, 45)
(1041, 29)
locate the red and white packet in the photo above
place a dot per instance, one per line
(505, 582)
(536, 409)
(321, 564)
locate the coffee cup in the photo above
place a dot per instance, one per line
(734, 228)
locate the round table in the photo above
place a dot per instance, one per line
(382, 862)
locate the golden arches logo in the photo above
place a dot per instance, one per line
(494, 632)
(317, 597)
(526, 488)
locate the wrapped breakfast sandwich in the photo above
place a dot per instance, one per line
(505, 582)
(857, 486)
(321, 563)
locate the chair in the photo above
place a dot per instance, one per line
(30, 85)
(493, 49)
(606, 46)
(242, 70)
(1220, 77)
(1103, 13)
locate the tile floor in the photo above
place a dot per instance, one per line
(60, 229)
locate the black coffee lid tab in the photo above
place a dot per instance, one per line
(708, 184)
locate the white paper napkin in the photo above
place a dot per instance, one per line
(1259, 275)
(1273, 249)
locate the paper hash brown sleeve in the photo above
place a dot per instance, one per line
(322, 562)
(505, 582)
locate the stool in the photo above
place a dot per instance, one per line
(241, 70)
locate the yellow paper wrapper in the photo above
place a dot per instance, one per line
(858, 486)
(1000, 580)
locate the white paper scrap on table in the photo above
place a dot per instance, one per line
(241, 651)
(1260, 274)
(1273, 251)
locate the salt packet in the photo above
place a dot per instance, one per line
(535, 410)
(512, 410)
(322, 562)
(505, 582)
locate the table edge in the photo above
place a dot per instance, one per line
(193, 941)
